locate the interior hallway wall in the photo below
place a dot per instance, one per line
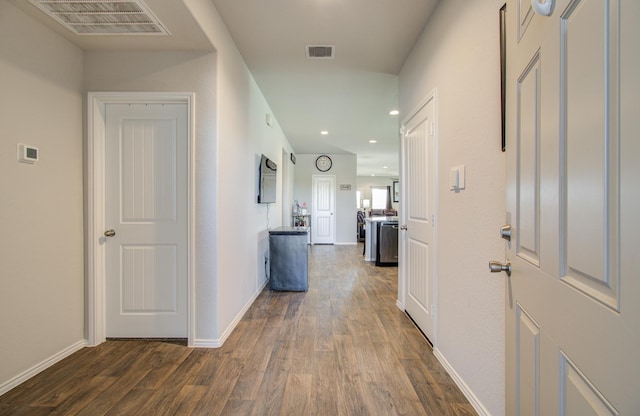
(458, 54)
(242, 136)
(41, 223)
(344, 169)
(231, 135)
(169, 72)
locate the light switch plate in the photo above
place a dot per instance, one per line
(454, 179)
(462, 174)
(457, 178)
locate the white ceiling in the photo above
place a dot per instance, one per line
(349, 96)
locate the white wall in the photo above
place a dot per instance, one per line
(231, 135)
(458, 55)
(41, 223)
(344, 169)
(242, 136)
(178, 71)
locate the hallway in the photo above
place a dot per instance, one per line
(342, 348)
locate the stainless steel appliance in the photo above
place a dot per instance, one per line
(387, 245)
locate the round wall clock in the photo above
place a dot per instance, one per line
(323, 163)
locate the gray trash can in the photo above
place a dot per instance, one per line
(289, 258)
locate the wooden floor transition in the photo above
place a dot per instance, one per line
(342, 348)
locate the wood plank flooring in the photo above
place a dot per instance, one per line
(342, 348)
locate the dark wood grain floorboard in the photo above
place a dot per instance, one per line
(342, 348)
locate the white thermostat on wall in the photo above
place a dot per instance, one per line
(27, 154)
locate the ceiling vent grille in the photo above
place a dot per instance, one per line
(320, 51)
(103, 17)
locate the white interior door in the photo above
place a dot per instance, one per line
(572, 309)
(146, 207)
(419, 213)
(323, 227)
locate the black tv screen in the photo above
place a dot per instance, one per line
(267, 181)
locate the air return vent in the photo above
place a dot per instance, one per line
(103, 17)
(320, 51)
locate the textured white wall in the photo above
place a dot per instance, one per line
(41, 254)
(458, 54)
(242, 136)
(344, 168)
(177, 71)
(231, 135)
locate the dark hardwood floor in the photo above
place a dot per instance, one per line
(342, 348)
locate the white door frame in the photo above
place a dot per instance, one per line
(402, 268)
(314, 204)
(95, 188)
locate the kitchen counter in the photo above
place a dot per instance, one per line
(289, 230)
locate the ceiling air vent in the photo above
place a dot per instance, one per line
(320, 52)
(103, 17)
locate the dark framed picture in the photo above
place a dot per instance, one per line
(396, 191)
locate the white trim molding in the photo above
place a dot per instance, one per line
(41, 366)
(466, 390)
(217, 343)
(96, 104)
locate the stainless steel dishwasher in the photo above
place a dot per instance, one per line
(387, 247)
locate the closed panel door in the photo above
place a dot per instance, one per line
(419, 178)
(324, 206)
(146, 201)
(572, 314)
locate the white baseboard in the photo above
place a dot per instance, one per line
(345, 244)
(217, 343)
(399, 305)
(475, 402)
(40, 367)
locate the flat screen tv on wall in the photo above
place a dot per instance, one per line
(267, 180)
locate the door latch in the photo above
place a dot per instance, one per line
(505, 232)
(497, 267)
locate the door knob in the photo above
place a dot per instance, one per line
(110, 233)
(505, 232)
(543, 8)
(497, 267)
(403, 227)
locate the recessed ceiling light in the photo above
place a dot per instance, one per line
(394, 112)
(373, 174)
(373, 141)
(385, 167)
(324, 132)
